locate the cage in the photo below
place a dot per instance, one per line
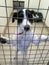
(36, 55)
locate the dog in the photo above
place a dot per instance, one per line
(24, 36)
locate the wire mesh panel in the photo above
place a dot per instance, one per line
(36, 54)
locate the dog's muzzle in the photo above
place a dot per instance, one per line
(26, 27)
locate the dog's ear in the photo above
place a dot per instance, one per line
(38, 16)
(33, 12)
(14, 17)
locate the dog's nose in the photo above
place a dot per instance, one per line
(26, 27)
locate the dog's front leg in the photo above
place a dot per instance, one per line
(37, 39)
(4, 40)
(44, 37)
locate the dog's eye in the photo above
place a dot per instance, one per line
(19, 21)
(20, 15)
(20, 18)
(30, 18)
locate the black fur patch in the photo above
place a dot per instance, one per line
(19, 16)
(2, 40)
(14, 17)
(29, 16)
(40, 17)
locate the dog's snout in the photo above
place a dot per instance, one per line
(26, 27)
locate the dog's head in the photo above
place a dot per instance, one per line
(24, 19)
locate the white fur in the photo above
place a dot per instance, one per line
(24, 12)
(25, 20)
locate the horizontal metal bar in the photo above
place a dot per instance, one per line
(25, 8)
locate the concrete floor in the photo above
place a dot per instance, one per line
(39, 53)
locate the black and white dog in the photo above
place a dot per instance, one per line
(24, 36)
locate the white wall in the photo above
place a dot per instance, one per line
(45, 4)
(3, 21)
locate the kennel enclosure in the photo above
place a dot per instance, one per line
(37, 55)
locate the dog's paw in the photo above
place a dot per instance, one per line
(2, 40)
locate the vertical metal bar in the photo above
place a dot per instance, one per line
(31, 45)
(46, 13)
(45, 41)
(45, 56)
(28, 40)
(25, 53)
(39, 5)
(4, 55)
(17, 41)
(28, 3)
(3, 52)
(8, 31)
(39, 40)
